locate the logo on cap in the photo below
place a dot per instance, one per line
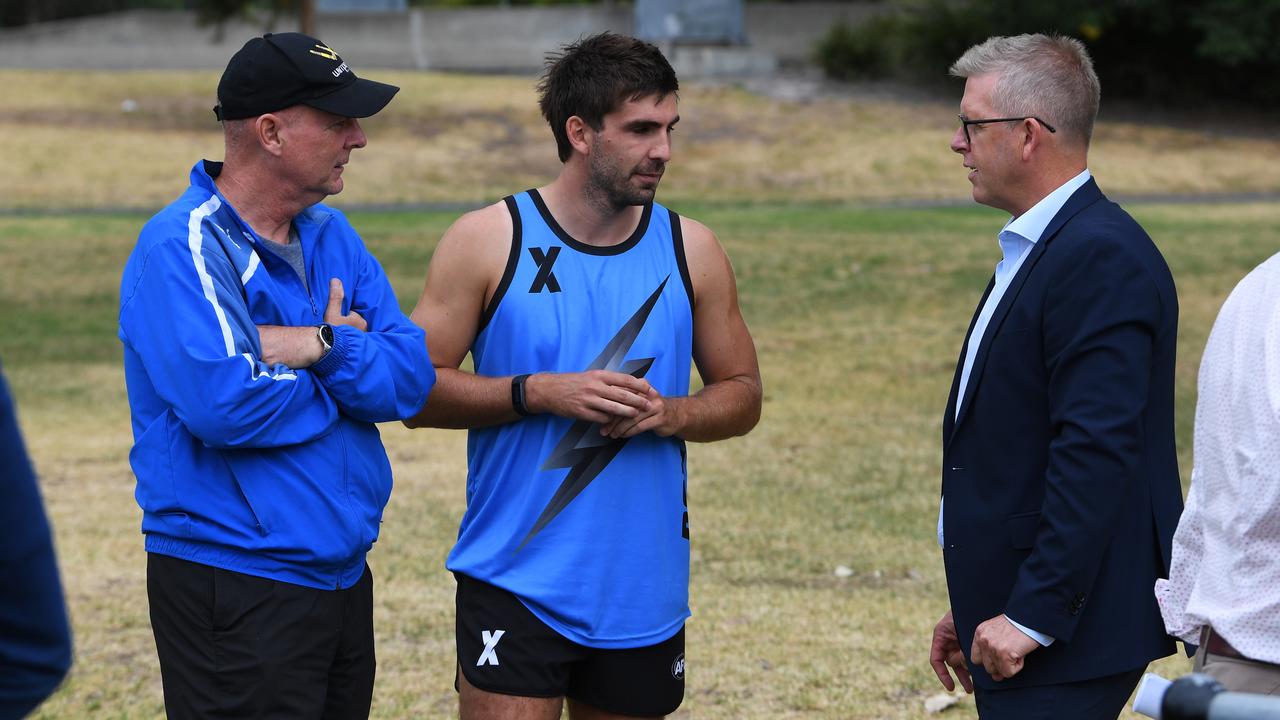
(324, 52)
(272, 72)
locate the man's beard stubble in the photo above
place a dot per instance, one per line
(612, 186)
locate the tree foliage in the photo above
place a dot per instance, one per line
(1182, 52)
(23, 12)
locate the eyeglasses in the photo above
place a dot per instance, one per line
(966, 122)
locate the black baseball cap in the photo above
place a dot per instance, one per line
(279, 70)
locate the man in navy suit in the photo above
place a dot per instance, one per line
(1059, 479)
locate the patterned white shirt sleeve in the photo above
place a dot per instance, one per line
(1225, 571)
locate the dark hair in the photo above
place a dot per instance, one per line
(596, 75)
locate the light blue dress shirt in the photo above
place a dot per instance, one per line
(1017, 238)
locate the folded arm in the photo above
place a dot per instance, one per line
(381, 371)
(464, 273)
(185, 317)
(730, 400)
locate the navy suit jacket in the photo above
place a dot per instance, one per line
(1060, 474)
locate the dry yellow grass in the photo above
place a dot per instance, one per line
(470, 139)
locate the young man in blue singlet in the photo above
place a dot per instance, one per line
(584, 304)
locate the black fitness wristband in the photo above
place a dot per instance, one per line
(517, 395)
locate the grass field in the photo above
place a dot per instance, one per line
(466, 138)
(858, 316)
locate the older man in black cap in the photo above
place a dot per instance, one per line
(262, 342)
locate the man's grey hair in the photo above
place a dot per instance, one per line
(1050, 77)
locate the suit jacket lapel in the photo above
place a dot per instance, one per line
(1087, 195)
(993, 327)
(949, 420)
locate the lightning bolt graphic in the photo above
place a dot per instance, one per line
(583, 449)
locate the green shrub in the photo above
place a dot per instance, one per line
(1209, 50)
(851, 53)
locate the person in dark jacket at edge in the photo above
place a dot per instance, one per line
(35, 638)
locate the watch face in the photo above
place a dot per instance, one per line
(326, 336)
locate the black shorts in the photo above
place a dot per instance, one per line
(236, 645)
(504, 648)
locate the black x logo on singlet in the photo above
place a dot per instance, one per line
(545, 278)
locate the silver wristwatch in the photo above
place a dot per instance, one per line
(325, 333)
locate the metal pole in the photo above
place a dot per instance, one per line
(1200, 697)
(1243, 706)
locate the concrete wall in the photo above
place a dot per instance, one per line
(504, 39)
(512, 39)
(790, 31)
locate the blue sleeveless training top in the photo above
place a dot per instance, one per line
(590, 533)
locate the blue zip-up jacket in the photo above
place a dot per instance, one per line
(241, 465)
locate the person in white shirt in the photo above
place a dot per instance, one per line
(1223, 590)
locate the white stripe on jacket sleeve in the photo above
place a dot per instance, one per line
(253, 265)
(195, 241)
